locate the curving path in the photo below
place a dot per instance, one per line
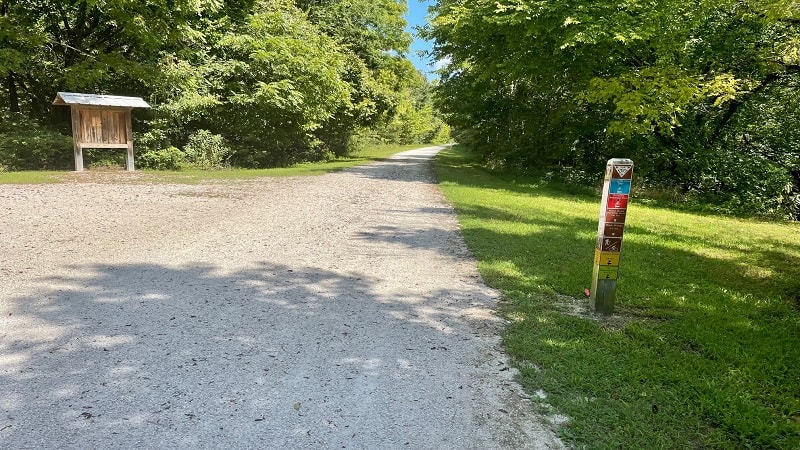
(340, 311)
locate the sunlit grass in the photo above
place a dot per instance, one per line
(30, 177)
(703, 351)
(367, 155)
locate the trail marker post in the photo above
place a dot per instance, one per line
(613, 209)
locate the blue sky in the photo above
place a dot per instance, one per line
(417, 12)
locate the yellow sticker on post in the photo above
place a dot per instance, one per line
(607, 259)
(608, 273)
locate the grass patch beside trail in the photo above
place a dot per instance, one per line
(30, 177)
(370, 154)
(704, 348)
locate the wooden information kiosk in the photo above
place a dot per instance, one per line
(100, 121)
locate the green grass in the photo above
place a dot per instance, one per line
(704, 348)
(30, 177)
(369, 154)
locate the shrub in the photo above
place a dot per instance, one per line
(26, 145)
(104, 159)
(153, 140)
(207, 151)
(170, 158)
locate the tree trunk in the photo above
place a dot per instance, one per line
(13, 97)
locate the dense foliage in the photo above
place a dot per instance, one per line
(272, 82)
(702, 95)
(24, 143)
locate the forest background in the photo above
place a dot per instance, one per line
(702, 95)
(249, 83)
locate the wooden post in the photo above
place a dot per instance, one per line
(613, 209)
(76, 137)
(129, 164)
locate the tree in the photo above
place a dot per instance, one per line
(662, 82)
(265, 82)
(85, 45)
(415, 119)
(280, 81)
(371, 34)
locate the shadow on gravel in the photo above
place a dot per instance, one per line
(405, 168)
(151, 354)
(440, 240)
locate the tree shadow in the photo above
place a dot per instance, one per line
(193, 356)
(707, 319)
(406, 166)
(558, 244)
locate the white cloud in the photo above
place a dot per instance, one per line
(442, 63)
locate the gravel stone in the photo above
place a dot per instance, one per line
(339, 311)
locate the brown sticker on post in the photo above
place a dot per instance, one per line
(622, 172)
(611, 244)
(613, 229)
(615, 215)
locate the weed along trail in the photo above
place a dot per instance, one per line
(340, 311)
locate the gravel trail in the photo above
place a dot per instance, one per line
(340, 311)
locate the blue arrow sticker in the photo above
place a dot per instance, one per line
(618, 186)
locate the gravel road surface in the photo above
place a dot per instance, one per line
(340, 311)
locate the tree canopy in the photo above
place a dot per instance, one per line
(273, 81)
(702, 95)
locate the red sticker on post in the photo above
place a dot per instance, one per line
(617, 201)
